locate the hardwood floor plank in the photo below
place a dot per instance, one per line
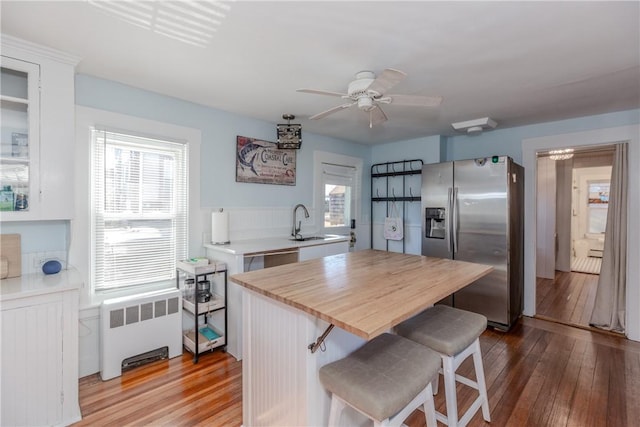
(569, 298)
(560, 409)
(580, 404)
(632, 384)
(598, 397)
(533, 385)
(507, 393)
(553, 362)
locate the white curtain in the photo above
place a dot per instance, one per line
(609, 309)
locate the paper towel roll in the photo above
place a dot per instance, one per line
(219, 227)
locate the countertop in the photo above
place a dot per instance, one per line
(33, 284)
(365, 292)
(259, 246)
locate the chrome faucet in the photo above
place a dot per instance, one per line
(295, 231)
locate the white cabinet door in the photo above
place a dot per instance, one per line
(19, 139)
(32, 390)
(39, 369)
(319, 251)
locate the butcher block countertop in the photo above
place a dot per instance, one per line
(366, 292)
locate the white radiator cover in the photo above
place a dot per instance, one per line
(136, 324)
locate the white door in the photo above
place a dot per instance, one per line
(337, 188)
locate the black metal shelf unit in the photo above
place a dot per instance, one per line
(396, 189)
(192, 306)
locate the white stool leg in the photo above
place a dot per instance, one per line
(337, 405)
(450, 390)
(482, 386)
(435, 383)
(430, 407)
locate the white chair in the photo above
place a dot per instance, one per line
(386, 380)
(454, 334)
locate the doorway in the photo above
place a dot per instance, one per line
(594, 137)
(573, 194)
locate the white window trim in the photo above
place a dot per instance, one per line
(80, 229)
(320, 157)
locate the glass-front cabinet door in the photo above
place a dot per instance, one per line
(19, 143)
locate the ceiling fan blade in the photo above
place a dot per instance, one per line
(412, 100)
(330, 111)
(376, 116)
(321, 92)
(385, 81)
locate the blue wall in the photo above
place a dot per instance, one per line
(430, 149)
(219, 131)
(40, 236)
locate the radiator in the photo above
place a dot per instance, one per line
(130, 326)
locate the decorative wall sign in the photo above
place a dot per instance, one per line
(262, 162)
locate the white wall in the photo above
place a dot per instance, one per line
(546, 224)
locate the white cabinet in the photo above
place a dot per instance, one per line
(39, 372)
(38, 138)
(319, 251)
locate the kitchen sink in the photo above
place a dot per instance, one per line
(305, 239)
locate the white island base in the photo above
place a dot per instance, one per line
(279, 373)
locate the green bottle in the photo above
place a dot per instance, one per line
(6, 198)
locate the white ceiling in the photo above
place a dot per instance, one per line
(517, 62)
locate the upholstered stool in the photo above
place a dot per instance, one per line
(454, 334)
(386, 379)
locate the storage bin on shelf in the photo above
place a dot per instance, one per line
(204, 343)
(216, 302)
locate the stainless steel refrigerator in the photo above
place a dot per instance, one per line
(472, 210)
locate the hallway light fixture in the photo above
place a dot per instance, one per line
(564, 154)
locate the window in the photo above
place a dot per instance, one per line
(598, 206)
(140, 209)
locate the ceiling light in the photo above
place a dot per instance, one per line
(475, 126)
(289, 135)
(565, 154)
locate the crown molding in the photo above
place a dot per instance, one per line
(10, 42)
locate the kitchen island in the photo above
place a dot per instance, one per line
(286, 309)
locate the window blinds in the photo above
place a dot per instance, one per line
(338, 174)
(140, 203)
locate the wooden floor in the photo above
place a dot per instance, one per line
(568, 299)
(539, 374)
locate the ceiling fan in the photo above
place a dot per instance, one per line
(368, 91)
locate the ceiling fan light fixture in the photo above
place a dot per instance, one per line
(365, 103)
(368, 91)
(475, 125)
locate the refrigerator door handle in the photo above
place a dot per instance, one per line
(449, 219)
(454, 226)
